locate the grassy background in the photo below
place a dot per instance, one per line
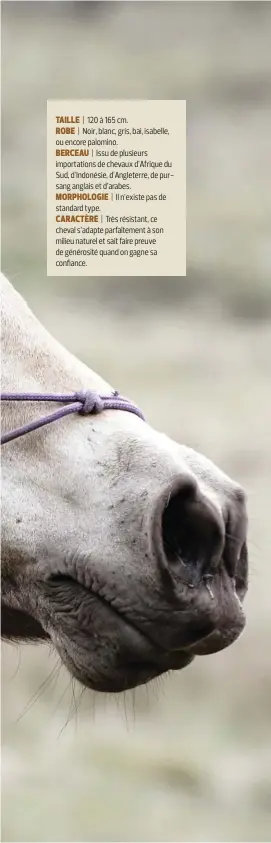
(187, 758)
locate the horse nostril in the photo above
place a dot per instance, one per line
(235, 540)
(192, 533)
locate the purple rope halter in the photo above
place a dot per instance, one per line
(85, 403)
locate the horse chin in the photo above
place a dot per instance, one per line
(115, 668)
(114, 674)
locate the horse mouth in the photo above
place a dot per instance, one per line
(129, 657)
(107, 651)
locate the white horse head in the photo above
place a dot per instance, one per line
(124, 548)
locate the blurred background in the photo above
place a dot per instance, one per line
(187, 758)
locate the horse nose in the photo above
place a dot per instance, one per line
(193, 533)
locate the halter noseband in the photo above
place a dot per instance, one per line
(85, 402)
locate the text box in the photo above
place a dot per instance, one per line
(116, 187)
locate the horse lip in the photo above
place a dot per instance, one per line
(150, 650)
(218, 640)
(222, 635)
(143, 659)
(147, 651)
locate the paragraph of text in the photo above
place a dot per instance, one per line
(116, 187)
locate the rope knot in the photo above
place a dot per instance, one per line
(91, 402)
